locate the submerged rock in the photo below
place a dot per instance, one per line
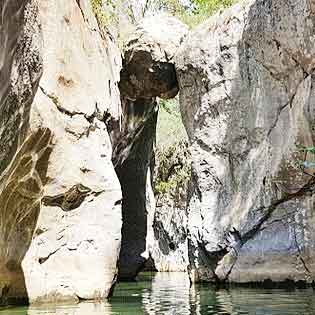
(246, 92)
(59, 194)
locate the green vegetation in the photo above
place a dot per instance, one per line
(307, 149)
(172, 155)
(104, 18)
(116, 16)
(172, 171)
(170, 128)
(306, 164)
(206, 8)
(111, 12)
(196, 12)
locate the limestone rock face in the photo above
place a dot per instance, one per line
(132, 174)
(21, 178)
(59, 194)
(168, 245)
(148, 72)
(247, 98)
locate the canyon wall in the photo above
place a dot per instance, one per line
(247, 99)
(61, 198)
(148, 72)
(19, 80)
(168, 245)
(77, 138)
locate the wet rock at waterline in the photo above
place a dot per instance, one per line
(148, 72)
(59, 194)
(246, 92)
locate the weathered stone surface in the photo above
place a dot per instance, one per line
(148, 72)
(59, 194)
(132, 174)
(20, 152)
(168, 244)
(246, 89)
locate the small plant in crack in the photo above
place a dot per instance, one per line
(304, 165)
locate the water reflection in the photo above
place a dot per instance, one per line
(171, 294)
(79, 309)
(240, 301)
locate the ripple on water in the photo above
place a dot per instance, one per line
(171, 294)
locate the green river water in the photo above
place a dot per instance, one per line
(171, 294)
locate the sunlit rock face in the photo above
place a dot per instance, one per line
(148, 72)
(60, 199)
(247, 98)
(22, 176)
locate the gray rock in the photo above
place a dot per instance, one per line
(168, 244)
(59, 193)
(148, 72)
(20, 182)
(246, 91)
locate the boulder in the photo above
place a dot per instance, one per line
(246, 90)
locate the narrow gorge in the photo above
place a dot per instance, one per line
(85, 194)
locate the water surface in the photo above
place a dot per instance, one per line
(170, 294)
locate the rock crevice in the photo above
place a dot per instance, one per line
(148, 72)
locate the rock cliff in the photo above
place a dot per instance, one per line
(148, 72)
(19, 81)
(60, 196)
(168, 245)
(77, 137)
(246, 90)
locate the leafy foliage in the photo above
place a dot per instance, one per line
(307, 149)
(173, 166)
(104, 18)
(170, 128)
(173, 169)
(192, 12)
(306, 164)
(117, 16)
(195, 11)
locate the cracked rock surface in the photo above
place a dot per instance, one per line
(59, 193)
(168, 244)
(148, 72)
(247, 98)
(20, 190)
(148, 68)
